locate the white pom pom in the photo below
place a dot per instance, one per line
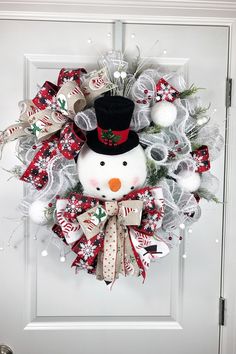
(44, 253)
(164, 113)
(189, 181)
(202, 120)
(123, 74)
(116, 74)
(62, 259)
(37, 212)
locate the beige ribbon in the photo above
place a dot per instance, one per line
(117, 256)
(11, 133)
(43, 123)
(95, 84)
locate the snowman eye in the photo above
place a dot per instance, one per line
(125, 163)
(102, 163)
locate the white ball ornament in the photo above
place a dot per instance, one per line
(116, 74)
(44, 253)
(189, 181)
(62, 259)
(202, 120)
(123, 74)
(164, 113)
(37, 212)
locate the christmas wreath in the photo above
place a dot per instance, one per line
(116, 162)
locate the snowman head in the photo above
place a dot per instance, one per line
(112, 163)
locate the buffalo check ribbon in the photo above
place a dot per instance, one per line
(165, 91)
(68, 144)
(201, 157)
(49, 110)
(104, 244)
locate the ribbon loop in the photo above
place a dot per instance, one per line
(68, 144)
(201, 156)
(165, 91)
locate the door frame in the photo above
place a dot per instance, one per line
(192, 12)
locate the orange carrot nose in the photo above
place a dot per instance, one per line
(114, 184)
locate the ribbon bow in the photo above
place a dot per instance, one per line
(49, 110)
(201, 156)
(113, 237)
(53, 104)
(68, 144)
(118, 216)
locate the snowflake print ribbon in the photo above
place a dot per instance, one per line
(201, 156)
(68, 144)
(160, 91)
(107, 226)
(165, 92)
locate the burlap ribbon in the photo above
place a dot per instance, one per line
(112, 221)
(49, 110)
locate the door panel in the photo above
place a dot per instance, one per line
(176, 308)
(206, 66)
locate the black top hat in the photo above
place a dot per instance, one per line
(113, 135)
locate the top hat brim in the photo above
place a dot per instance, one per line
(101, 148)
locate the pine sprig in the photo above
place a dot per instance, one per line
(195, 146)
(77, 189)
(192, 90)
(200, 111)
(207, 195)
(155, 174)
(153, 129)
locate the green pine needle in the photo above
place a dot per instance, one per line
(205, 194)
(77, 189)
(154, 175)
(195, 146)
(192, 90)
(200, 111)
(153, 129)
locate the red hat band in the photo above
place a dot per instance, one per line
(112, 137)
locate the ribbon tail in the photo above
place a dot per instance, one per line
(120, 264)
(99, 268)
(142, 270)
(110, 250)
(130, 263)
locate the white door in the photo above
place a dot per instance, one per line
(44, 307)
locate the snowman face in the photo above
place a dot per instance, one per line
(111, 177)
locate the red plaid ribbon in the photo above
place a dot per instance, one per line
(165, 92)
(201, 156)
(48, 91)
(68, 144)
